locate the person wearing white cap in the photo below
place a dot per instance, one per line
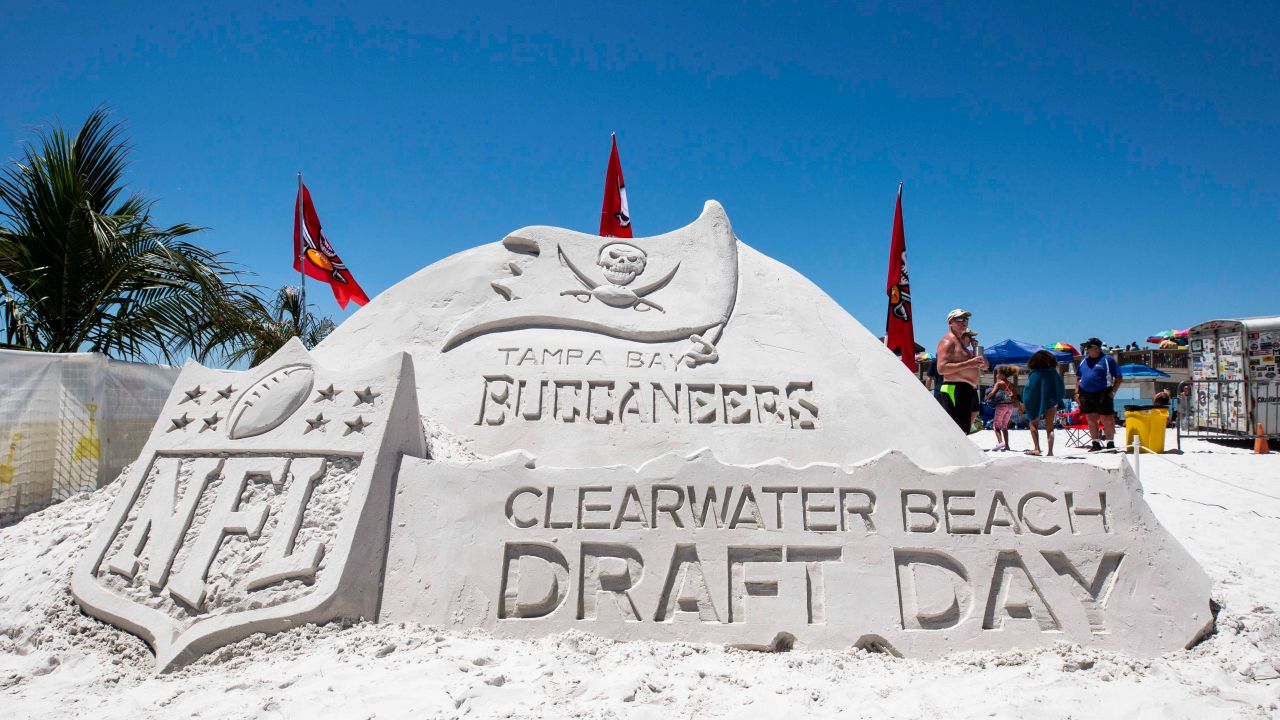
(959, 366)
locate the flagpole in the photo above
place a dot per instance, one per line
(302, 255)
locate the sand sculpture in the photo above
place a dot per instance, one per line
(678, 438)
(260, 502)
(743, 355)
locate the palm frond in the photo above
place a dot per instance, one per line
(84, 267)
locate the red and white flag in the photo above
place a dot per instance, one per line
(899, 333)
(615, 216)
(313, 255)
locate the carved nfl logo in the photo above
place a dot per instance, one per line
(259, 503)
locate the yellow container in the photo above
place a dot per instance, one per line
(1149, 426)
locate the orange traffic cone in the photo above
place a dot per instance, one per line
(1260, 446)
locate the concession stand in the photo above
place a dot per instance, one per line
(1234, 384)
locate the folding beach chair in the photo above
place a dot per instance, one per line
(1077, 429)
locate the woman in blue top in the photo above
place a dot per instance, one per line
(1042, 397)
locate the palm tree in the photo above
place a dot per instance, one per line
(263, 328)
(83, 270)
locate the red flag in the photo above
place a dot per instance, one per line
(615, 216)
(313, 255)
(899, 334)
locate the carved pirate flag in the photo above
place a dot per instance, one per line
(260, 502)
(615, 215)
(677, 286)
(899, 333)
(313, 255)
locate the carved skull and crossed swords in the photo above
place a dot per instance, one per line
(622, 264)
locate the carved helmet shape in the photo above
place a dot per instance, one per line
(622, 262)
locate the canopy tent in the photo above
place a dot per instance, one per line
(1138, 370)
(1015, 352)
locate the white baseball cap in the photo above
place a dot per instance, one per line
(957, 313)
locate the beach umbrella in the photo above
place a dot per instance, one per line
(1064, 347)
(922, 356)
(1178, 336)
(1138, 370)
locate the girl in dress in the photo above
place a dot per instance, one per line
(1004, 395)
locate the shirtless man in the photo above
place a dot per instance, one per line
(959, 368)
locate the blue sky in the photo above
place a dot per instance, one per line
(1070, 169)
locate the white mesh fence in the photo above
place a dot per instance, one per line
(69, 423)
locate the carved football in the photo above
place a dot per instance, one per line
(271, 400)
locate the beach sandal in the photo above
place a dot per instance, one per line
(1031, 452)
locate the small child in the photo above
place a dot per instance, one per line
(1004, 395)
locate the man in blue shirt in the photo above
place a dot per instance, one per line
(1098, 379)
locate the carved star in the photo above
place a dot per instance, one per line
(225, 393)
(317, 423)
(180, 423)
(357, 426)
(211, 422)
(366, 396)
(327, 393)
(193, 393)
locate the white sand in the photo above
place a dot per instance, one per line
(1222, 503)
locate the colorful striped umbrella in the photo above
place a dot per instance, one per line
(1178, 336)
(922, 356)
(1064, 347)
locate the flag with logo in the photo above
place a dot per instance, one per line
(615, 216)
(664, 288)
(314, 256)
(899, 334)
